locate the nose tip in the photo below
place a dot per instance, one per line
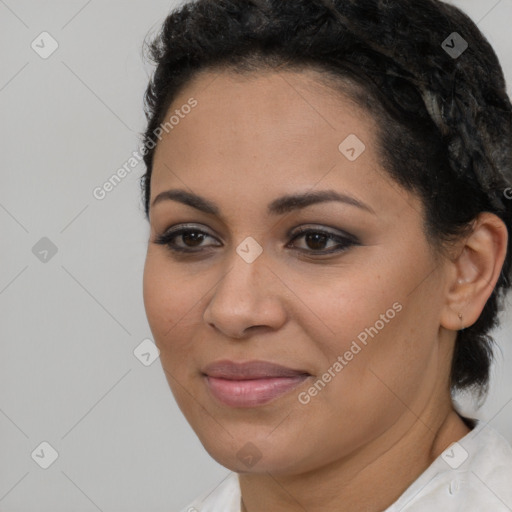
(242, 299)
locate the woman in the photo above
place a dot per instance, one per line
(327, 188)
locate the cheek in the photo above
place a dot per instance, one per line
(170, 299)
(367, 331)
(381, 362)
(344, 304)
(372, 374)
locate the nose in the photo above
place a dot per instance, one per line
(246, 297)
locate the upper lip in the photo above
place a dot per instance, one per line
(249, 370)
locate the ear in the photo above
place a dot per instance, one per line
(474, 272)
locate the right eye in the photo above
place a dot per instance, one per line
(190, 237)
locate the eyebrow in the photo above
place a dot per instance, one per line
(278, 206)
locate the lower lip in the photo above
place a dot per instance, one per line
(251, 393)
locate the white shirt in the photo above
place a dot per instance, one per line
(472, 475)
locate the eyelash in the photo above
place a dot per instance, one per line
(346, 242)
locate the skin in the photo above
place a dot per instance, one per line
(361, 441)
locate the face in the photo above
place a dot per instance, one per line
(345, 293)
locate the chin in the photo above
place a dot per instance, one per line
(253, 454)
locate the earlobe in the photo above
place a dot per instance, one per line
(461, 318)
(475, 272)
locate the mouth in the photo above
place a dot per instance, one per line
(252, 383)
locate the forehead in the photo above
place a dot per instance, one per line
(262, 134)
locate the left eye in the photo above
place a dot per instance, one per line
(315, 241)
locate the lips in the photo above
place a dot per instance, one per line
(251, 383)
(249, 370)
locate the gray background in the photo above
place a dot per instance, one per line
(69, 325)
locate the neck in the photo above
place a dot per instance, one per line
(371, 480)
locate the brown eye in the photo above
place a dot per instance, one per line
(316, 241)
(191, 238)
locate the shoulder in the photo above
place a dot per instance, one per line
(473, 474)
(224, 497)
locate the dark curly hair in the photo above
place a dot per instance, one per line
(443, 114)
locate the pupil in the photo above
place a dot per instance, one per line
(191, 236)
(316, 238)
